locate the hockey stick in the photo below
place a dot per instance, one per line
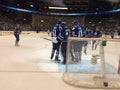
(46, 38)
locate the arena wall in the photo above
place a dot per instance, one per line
(6, 33)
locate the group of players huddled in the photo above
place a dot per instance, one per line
(60, 34)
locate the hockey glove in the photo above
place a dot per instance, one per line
(54, 40)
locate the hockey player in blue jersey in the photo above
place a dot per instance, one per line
(76, 46)
(96, 34)
(65, 34)
(56, 40)
(17, 32)
(77, 30)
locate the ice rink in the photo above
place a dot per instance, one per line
(28, 66)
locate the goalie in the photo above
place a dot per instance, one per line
(76, 46)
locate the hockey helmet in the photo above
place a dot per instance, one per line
(63, 23)
(75, 22)
(59, 21)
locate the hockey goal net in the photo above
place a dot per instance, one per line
(93, 55)
(91, 66)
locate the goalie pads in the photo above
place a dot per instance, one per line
(54, 40)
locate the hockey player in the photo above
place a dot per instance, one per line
(76, 46)
(85, 44)
(112, 34)
(65, 34)
(56, 40)
(96, 34)
(17, 32)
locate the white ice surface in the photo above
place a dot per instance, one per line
(28, 67)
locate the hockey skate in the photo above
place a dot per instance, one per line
(57, 60)
(16, 43)
(51, 56)
(85, 52)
